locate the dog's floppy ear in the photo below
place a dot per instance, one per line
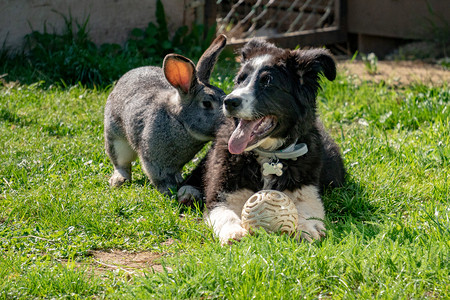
(180, 72)
(315, 60)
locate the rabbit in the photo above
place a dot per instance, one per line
(163, 116)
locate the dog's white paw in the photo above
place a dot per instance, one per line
(232, 233)
(311, 229)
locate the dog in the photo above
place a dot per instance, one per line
(273, 139)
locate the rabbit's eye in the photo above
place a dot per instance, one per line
(207, 104)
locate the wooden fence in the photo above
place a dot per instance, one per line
(286, 22)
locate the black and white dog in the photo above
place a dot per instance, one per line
(273, 139)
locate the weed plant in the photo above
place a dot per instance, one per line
(370, 63)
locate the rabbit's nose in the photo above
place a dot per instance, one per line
(231, 104)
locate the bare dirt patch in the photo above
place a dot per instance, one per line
(398, 72)
(128, 262)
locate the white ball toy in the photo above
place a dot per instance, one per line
(272, 210)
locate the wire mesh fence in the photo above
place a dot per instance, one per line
(244, 19)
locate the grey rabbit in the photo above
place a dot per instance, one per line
(163, 116)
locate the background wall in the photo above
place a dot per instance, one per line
(381, 25)
(396, 18)
(110, 21)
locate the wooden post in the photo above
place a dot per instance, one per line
(341, 14)
(210, 14)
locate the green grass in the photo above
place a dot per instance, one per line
(388, 227)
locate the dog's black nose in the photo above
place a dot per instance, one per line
(232, 103)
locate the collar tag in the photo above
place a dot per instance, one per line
(272, 168)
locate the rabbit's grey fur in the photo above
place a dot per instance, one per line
(161, 118)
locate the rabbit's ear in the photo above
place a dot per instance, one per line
(180, 72)
(207, 61)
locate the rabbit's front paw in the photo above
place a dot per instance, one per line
(119, 178)
(311, 229)
(188, 194)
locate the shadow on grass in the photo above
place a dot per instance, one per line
(348, 206)
(12, 117)
(345, 207)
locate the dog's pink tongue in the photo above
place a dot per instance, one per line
(241, 136)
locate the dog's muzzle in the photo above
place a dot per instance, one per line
(232, 104)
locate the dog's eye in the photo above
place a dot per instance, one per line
(241, 78)
(206, 104)
(265, 80)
